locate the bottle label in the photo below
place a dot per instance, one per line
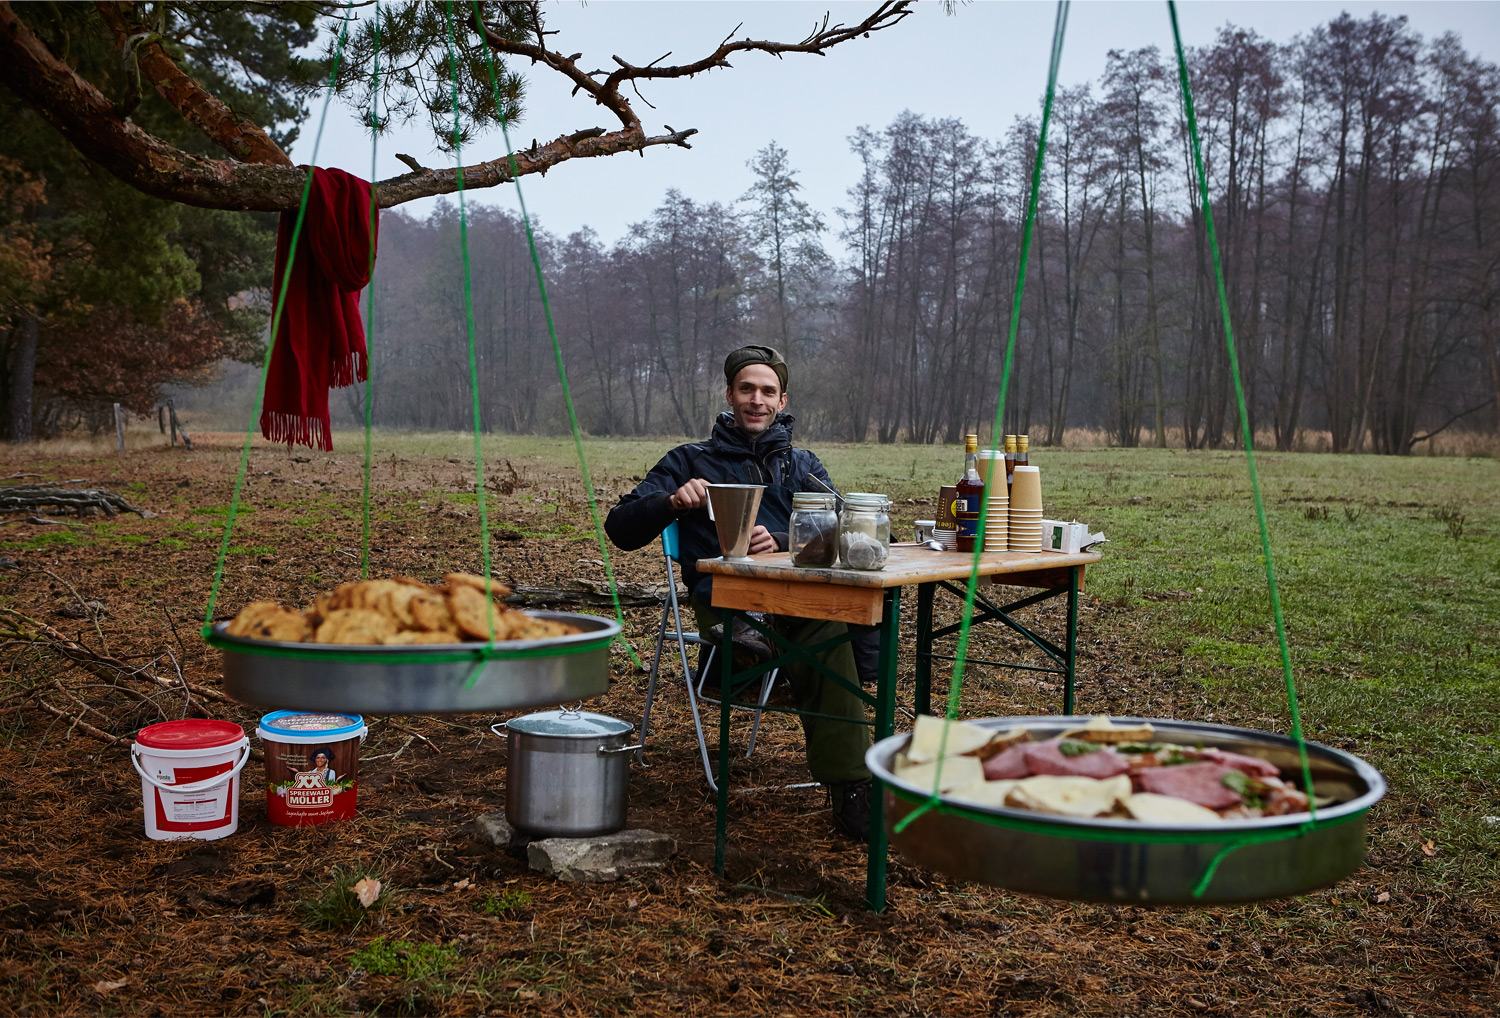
(968, 519)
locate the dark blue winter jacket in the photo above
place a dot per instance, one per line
(728, 457)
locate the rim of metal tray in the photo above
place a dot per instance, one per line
(603, 631)
(1045, 823)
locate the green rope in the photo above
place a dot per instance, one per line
(562, 374)
(960, 655)
(239, 478)
(364, 548)
(463, 243)
(1229, 841)
(1239, 395)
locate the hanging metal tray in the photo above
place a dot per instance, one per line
(427, 679)
(1063, 857)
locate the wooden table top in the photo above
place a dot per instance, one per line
(907, 564)
(771, 583)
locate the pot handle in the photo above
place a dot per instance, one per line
(495, 729)
(607, 751)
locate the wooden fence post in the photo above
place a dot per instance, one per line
(177, 427)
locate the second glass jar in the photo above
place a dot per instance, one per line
(864, 531)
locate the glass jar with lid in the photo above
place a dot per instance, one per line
(812, 533)
(864, 531)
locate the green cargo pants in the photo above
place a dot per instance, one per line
(835, 748)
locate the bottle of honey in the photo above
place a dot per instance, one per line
(970, 496)
(1023, 450)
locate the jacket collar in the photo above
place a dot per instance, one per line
(727, 434)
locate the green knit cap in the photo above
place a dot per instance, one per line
(739, 359)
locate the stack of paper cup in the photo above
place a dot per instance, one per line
(1026, 509)
(997, 499)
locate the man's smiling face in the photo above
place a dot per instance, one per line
(756, 398)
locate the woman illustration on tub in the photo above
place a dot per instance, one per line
(318, 761)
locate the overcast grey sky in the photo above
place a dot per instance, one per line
(985, 64)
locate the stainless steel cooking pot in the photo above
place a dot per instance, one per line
(568, 774)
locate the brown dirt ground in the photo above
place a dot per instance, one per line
(99, 920)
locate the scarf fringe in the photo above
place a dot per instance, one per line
(295, 429)
(354, 368)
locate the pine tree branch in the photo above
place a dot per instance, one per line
(241, 138)
(265, 181)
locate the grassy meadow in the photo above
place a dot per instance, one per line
(1389, 571)
(1388, 568)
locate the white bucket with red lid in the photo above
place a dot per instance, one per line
(190, 777)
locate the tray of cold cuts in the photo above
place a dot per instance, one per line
(1129, 810)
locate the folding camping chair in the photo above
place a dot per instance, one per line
(670, 632)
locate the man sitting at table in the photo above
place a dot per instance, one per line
(751, 443)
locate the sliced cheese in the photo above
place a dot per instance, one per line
(1070, 796)
(1151, 808)
(983, 793)
(1102, 729)
(958, 772)
(927, 738)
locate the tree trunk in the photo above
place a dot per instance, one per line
(23, 380)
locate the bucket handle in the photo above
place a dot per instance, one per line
(608, 751)
(194, 787)
(495, 729)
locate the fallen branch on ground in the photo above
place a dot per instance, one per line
(591, 592)
(38, 496)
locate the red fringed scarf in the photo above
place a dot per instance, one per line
(320, 343)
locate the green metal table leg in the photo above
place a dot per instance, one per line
(1071, 662)
(922, 696)
(726, 694)
(885, 725)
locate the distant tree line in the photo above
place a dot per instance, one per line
(1356, 194)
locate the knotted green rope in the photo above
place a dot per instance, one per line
(1230, 841)
(239, 477)
(562, 374)
(960, 655)
(1239, 397)
(364, 546)
(463, 243)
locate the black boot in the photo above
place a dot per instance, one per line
(851, 807)
(751, 646)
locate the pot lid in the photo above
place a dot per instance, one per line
(566, 723)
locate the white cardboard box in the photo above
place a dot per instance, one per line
(1068, 537)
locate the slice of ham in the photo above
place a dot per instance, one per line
(1252, 765)
(1202, 783)
(1007, 764)
(1048, 758)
